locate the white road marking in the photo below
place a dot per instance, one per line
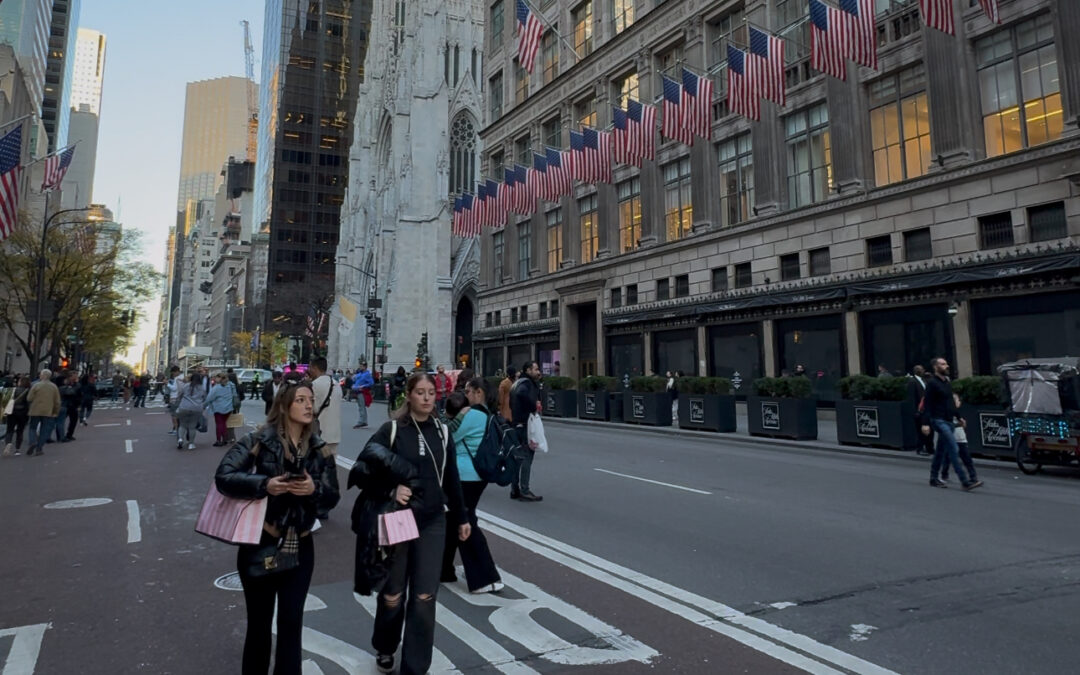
(488, 649)
(110, 424)
(783, 605)
(134, 526)
(129, 423)
(25, 648)
(654, 482)
(79, 503)
(163, 414)
(127, 446)
(439, 662)
(860, 632)
(716, 617)
(309, 667)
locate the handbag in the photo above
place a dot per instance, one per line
(536, 433)
(10, 407)
(201, 426)
(231, 520)
(270, 559)
(235, 421)
(396, 527)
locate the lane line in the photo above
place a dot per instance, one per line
(159, 413)
(654, 482)
(110, 424)
(491, 651)
(25, 648)
(643, 585)
(127, 446)
(134, 527)
(129, 423)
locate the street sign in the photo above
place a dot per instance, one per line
(379, 343)
(374, 303)
(386, 346)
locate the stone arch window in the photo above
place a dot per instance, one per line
(462, 153)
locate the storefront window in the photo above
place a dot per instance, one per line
(817, 345)
(1040, 326)
(626, 356)
(492, 361)
(675, 350)
(903, 338)
(809, 156)
(519, 355)
(735, 353)
(550, 358)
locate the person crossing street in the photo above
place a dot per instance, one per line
(939, 411)
(362, 385)
(524, 396)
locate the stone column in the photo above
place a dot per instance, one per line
(647, 346)
(571, 244)
(652, 208)
(767, 143)
(847, 111)
(702, 342)
(1066, 16)
(962, 330)
(538, 264)
(768, 347)
(601, 346)
(952, 100)
(852, 342)
(607, 220)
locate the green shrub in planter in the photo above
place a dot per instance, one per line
(704, 385)
(648, 384)
(980, 390)
(783, 387)
(598, 383)
(558, 383)
(866, 388)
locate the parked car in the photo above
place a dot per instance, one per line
(247, 375)
(103, 387)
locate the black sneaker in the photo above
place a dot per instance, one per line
(530, 497)
(384, 663)
(973, 484)
(934, 482)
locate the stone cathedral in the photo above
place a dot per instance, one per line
(415, 144)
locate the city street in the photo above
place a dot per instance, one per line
(649, 553)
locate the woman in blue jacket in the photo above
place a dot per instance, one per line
(220, 402)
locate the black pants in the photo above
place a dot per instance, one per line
(85, 409)
(521, 483)
(290, 590)
(16, 425)
(926, 441)
(415, 567)
(476, 557)
(72, 421)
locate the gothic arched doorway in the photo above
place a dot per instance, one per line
(463, 328)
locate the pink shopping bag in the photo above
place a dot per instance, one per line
(233, 521)
(396, 527)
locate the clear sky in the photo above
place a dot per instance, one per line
(154, 49)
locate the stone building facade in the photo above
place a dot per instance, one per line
(929, 207)
(415, 142)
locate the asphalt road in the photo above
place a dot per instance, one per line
(649, 553)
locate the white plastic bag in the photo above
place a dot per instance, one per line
(536, 433)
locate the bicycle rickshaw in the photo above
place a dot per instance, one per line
(1044, 411)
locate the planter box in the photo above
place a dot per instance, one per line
(708, 412)
(647, 408)
(559, 403)
(878, 424)
(594, 405)
(988, 430)
(615, 407)
(782, 417)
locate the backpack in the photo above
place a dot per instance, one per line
(498, 456)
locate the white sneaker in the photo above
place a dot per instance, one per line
(490, 588)
(8, 449)
(191, 446)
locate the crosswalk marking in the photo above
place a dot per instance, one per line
(25, 648)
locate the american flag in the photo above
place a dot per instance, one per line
(743, 95)
(697, 104)
(539, 176)
(526, 191)
(766, 65)
(642, 124)
(481, 205)
(620, 131)
(938, 14)
(511, 188)
(560, 181)
(470, 224)
(455, 222)
(991, 9)
(673, 118)
(863, 31)
(55, 168)
(828, 40)
(496, 206)
(598, 154)
(530, 30)
(579, 168)
(10, 173)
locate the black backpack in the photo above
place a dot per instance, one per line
(498, 456)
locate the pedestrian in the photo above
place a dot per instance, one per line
(236, 385)
(327, 409)
(18, 418)
(882, 371)
(939, 411)
(362, 384)
(270, 390)
(960, 433)
(504, 392)
(427, 482)
(117, 385)
(220, 402)
(800, 371)
(916, 390)
(672, 388)
(71, 397)
(67, 391)
(44, 400)
(463, 378)
(524, 396)
(172, 399)
(189, 410)
(87, 391)
(255, 388)
(468, 422)
(285, 461)
(398, 383)
(442, 389)
(129, 385)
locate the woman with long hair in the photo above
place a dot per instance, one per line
(192, 396)
(411, 458)
(285, 461)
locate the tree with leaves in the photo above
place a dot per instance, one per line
(273, 348)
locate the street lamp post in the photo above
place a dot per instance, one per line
(39, 310)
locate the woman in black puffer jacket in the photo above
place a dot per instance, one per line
(288, 463)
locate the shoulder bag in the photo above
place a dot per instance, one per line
(232, 520)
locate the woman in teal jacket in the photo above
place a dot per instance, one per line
(220, 402)
(468, 421)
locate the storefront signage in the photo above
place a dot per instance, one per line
(590, 404)
(995, 430)
(550, 403)
(697, 410)
(736, 380)
(638, 410)
(867, 424)
(770, 416)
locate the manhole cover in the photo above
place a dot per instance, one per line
(79, 503)
(229, 582)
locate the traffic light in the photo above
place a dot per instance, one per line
(418, 363)
(64, 363)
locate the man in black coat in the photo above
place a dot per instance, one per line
(270, 390)
(916, 390)
(524, 396)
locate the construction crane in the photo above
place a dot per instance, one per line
(253, 112)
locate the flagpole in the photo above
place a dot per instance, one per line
(17, 120)
(559, 35)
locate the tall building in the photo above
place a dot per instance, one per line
(78, 185)
(88, 77)
(926, 208)
(415, 143)
(24, 24)
(313, 55)
(215, 128)
(59, 66)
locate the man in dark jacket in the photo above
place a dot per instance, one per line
(524, 396)
(270, 390)
(916, 390)
(939, 411)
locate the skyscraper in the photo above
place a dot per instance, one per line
(24, 24)
(78, 182)
(313, 55)
(215, 128)
(56, 102)
(88, 77)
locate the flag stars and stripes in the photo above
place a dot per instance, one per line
(697, 104)
(766, 65)
(530, 31)
(742, 94)
(673, 127)
(10, 173)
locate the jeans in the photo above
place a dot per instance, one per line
(115, 392)
(290, 589)
(40, 429)
(946, 451)
(86, 409)
(415, 566)
(476, 557)
(965, 457)
(61, 423)
(16, 424)
(362, 419)
(189, 419)
(221, 431)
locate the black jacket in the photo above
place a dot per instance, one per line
(70, 396)
(268, 395)
(235, 477)
(523, 397)
(938, 402)
(916, 391)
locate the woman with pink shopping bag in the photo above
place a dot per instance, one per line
(410, 459)
(289, 465)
